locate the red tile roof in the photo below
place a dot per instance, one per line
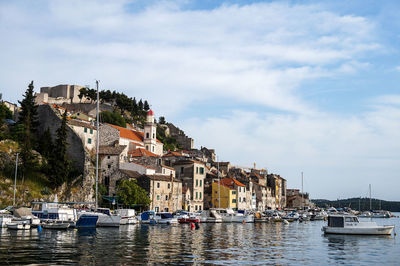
(230, 182)
(130, 134)
(141, 152)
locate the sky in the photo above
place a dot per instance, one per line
(292, 86)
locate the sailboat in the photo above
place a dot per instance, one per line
(103, 215)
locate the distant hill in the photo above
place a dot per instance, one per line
(359, 203)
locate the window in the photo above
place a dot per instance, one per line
(233, 200)
(200, 195)
(85, 129)
(244, 189)
(244, 199)
(197, 170)
(199, 207)
(109, 166)
(157, 209)
(89, 141)
(234, 192)
(154, 136)
(240, 189)
(166, 197)
(201, 181)
(169, 185)
(197, 182)
(240, 199)
(182, 168)
(201, 170)
(147, 147)
(158, 197)
(91, 131)
(147, 135)
(163, 170)
(197, 195)
(153, 148)
(108, 157)
(195, 207)
(158, 184)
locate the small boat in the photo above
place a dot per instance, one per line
(165, 218)
(187, 217)
(5, 219)
(86, 220)
(59, 225)
(19, 225)
(128, 216)
(147, 217)
(210, 216)
(350, 225)
(229, 216)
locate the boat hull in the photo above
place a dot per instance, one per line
(379, 230)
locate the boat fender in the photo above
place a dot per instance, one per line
(192, 226)
(39, 228)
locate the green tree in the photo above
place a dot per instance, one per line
(59, 163)
(146, 106)
(161, 120)
(132, 194)
(5, 113)
(46, 145)
(28, 118)
(114, 118)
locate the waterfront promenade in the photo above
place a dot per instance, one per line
(226, 243)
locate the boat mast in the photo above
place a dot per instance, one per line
(302, 192)
(370, 201)
(15, 178)
(97, 143)
(219, 185)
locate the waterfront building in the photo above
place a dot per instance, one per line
(109, 162)
(232, 194)
(192, 173)
(296, 199)
(165, 192)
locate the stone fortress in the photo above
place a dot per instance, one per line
(60, 94)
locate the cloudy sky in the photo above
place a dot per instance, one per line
(293, 86)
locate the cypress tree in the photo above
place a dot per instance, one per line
(146, 106)
(59, 163)
(28, 122)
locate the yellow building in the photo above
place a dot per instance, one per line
(227, 195)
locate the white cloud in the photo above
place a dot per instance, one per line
(259, 53)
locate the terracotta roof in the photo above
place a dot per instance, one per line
(224, 185)
(80, 124)
(172, 153)
(145, 166)
(142, 152)
(130, 133)
(230, 182)
(111, 150)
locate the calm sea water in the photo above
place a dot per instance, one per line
(293, 244)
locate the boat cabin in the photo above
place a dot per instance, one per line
(341, 221)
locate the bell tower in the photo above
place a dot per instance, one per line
(150, 132)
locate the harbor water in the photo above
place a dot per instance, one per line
(227, 243)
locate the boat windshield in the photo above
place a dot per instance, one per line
(351, 219)
(166, 216)
(335, 221)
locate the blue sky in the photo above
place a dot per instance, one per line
(292, 86)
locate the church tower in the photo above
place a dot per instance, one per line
(150, 132)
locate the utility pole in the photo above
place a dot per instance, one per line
(97, 144)
(302, 192)
(15, 178)
(370, 200)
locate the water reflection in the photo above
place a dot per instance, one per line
(275, 243)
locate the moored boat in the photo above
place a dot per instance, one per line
(19, 225)
(58, 225)
(350, 225)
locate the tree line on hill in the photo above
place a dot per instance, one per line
(43, 159)
(362, 204)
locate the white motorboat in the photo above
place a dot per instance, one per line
(165, 218)
(46, 211)
(210, 216)
(229, 216)
(105, 218)
(19, 225)
(4, 220)
(128, 216)
(350, 225)
(23, 214)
